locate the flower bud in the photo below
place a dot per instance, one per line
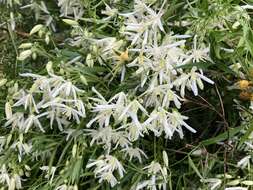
(8, 111)
(36, 29)
(3, 82)
(83, 80)
(247, 182)
(70, 22)
(25, 45)
(165, 159)
(74, 149)
(24, 55)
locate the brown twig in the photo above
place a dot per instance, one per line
(18, 32)
(23, 34)
(226, 128)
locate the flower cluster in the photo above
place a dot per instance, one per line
(136, 81)
(157, 59)
(51, 99)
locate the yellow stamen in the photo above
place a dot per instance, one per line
(243, 84)
(245, 96)
(124, 56)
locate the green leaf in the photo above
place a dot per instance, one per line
(193, 166)
(248, 132)
(222, 137)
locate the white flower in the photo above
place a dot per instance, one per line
(155, 168)
(66, 187)
(105, 167)
(197, 55)
(17, 179)
(17, 120)
(163, 121)
(142, 24)
(108, 137)
(193, 80)
(161, 96)
(32, 120)
(105, 111)
(50, 171)
(106, 48)
(213, 183)
(244, 162)
(58, 99)
(67, 108)
(134, 153)
(134, 130)
(236, 188)
(56, 115)
(4, 175)
(110, 12)
(22, 148)
(158, 177)
(103, 135)
(27, 100)
(131, 110)
(116, 107)
(177, 120)
(66, 89)
(120, 138)
(62, 187)
(71, 8)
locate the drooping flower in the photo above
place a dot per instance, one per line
(134, 153)
(105, 166)
(158, 177)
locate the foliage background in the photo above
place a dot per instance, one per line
(219, 113)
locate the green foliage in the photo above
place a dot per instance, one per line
(46, 38)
